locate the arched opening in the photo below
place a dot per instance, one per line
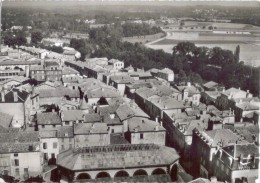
(140, 172)
(83, 176)
(102, 175)
(121, 173)
(158, 171)
(174, 172)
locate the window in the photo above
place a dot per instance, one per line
(53, 126)
(70, 139)
(112, 131)
(43, 126)
(55, 145)
(26, 171)
(62, 140)
(70, 146)
(16, 162)
(17, 172)
(44, 145)
(45, 156)
(5, 172)
(15, 155)
(141, 135)
(52, 155)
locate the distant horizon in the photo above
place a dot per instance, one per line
(46, 3)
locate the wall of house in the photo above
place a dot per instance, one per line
(25, 161)
(116, 128)
(156, 137)
(91, 140)
(48, 127)
(50, 149)
(65, 143)
(5, 163)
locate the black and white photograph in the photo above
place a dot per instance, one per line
(129, 91)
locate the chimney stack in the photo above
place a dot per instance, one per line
(15, 96)
(3, 95)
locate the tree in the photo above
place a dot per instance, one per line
(36, 37)
(236, 54)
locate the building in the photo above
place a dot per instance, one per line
(16, 103)
(49, 71)
(48, 121)
(117, 161)
(143, 131)
(65, 138)
(166, 74)
(224, 101)
(213, 86)
(117, 64)
(237, 163)
(17, 149)
(49, 146)
(190, 94)
(205, 144)
(91, 134)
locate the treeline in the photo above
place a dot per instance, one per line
(134, 29)
(216, 64)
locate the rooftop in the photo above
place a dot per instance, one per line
(15, 96)
(137, 124)
(5, 119)
(117, 156)
(90, 128)
(48, 118)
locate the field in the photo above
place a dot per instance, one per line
(227, 36)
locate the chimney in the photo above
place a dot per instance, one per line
(52, 110)
(3, 95)
(161, 123)
(15, 96)
(223, 90)
(156, 128)
(188, 84)
(213, 179)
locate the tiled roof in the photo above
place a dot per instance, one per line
(68, 70)
(248, 106)
(19, 137)
(224, 136)
(90, 128)
(73, 115)
(117, 156)
(137, 124)
(65, 132)
(48, 134)
(242, 149)
(210, 84)
(59, 92)
(10, 61)
(124, 112)
(200, 180)
(5, 119)
(89, 118)
(48, 118)
(101, 92)
(21, 96)
(166, 102)
(213, 94)
(19, 79)
(19, 147)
